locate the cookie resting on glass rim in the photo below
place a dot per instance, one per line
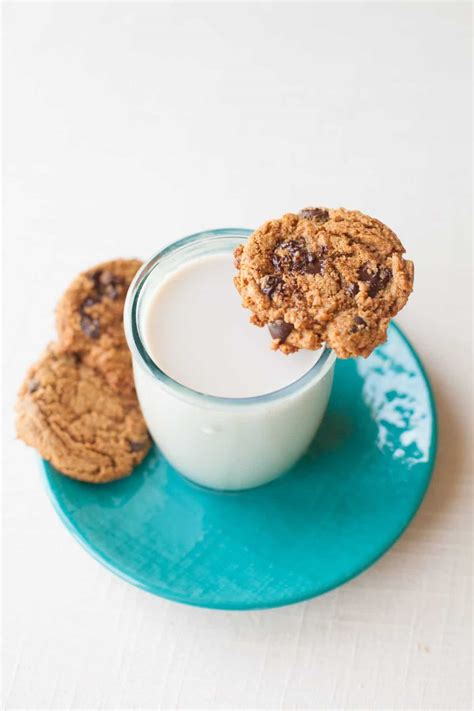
(331, 276)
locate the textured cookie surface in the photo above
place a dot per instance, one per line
(89, 320)
(324, 275)
(68, 412)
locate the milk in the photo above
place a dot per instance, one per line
(224, 409)
(197, 332)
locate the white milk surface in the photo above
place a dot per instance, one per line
(197, 332)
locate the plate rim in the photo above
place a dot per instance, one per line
(105, 561)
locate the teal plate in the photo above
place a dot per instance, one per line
(342, 506)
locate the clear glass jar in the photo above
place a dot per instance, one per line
(219, 442)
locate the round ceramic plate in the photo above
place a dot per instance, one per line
(333, 515)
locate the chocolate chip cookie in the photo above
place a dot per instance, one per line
(324, 276)
(89, 320)
(68, 412)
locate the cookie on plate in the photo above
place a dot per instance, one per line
(68, 412)
(324, 276)
(89, 320)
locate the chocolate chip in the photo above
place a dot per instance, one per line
(280, 329)
(359, 323)
(291, 255)
(136, 446)
(376, 280)
(365, 273)
(296, 258)
(316, 214)
(299, 261)
(291, 246)
(95, 278)
(314, 264)
(90, 326)
(106, 284)
(351, 288)
(111, 291)
(33, 385)
(380, 282)
(283, 261)
(384, 277)
(276, 261)
(269, 284)
(90, 301)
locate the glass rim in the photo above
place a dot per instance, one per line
(140, 352)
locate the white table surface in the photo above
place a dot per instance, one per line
(130, 125)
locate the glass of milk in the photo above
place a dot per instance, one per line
(224, 409)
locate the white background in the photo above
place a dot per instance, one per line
(130, 125)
